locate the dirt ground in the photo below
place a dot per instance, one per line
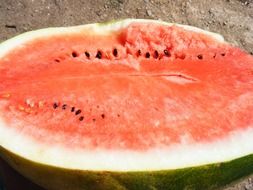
(231, 18)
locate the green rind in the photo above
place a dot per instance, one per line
(207, 177)
(110, 22)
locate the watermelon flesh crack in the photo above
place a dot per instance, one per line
(145, 89)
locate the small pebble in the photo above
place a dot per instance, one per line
(149, 13)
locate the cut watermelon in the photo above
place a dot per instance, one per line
(134, 104)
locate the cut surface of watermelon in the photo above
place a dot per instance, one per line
(134, 95)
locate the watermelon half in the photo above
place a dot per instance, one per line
(127, 105)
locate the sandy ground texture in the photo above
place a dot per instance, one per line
(231, 18)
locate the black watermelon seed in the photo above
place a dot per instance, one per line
(87, 54)
(94, 120)
(103, 116)
(74, 54)
(57, 60)
(200, 56)
(64, 106)
(223, 54)
(166, 52)
(147, 55)
(156, 54)
(139, 52)
(115, 52)
(99, 55)
(72, 109)
(78, 112)
(55, 105)
(81, 118)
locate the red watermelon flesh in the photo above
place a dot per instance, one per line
(143, 87)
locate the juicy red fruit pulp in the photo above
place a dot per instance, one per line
(138, 88)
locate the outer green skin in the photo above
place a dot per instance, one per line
(212, 176)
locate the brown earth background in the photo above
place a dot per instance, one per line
(231, 18)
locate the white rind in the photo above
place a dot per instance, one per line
(181, 155)
(235, 145)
